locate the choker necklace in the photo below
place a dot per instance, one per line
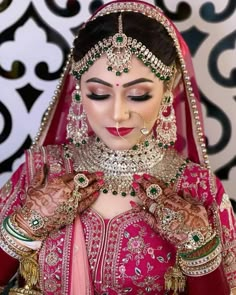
(118, 166)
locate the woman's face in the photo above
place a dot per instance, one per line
(118, 107)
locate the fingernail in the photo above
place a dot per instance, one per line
(136, 177)
(133, 204)
(99, 173)
(96, 194)
(100, 181)
(147, 176)
(135, 185)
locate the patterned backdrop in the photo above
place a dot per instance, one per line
(35, 37)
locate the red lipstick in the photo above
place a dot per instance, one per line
(119, 131)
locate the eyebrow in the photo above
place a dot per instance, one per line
(137, 81)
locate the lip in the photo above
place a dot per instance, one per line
(119, 131)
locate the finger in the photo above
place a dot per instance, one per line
(141, 194)
(68, 177)
(40, 176)
(86, 203)
(91, 189)
(84, 178)
(136, 207)
(153, 189)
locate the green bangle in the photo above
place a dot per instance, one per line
(13, 232)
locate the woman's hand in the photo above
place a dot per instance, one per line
(182, 223)
(53, 203)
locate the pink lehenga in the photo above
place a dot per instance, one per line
(122, 255)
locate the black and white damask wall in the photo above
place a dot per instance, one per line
(35, 37)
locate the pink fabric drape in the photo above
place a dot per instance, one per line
(80, 278)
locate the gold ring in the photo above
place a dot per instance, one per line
(153, 191)
(81, 180)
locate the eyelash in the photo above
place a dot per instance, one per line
(143, 97)
(95, 96)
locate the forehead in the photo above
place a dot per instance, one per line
(138, 70)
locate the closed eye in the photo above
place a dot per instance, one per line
(95, 96)
(143, 97)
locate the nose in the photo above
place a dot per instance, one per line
(120, 110)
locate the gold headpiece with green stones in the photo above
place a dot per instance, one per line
(119, 50)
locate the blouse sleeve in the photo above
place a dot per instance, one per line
(11, 196)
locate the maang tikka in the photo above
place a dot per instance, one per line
(166, 122)
(77, 127)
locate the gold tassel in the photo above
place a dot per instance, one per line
(29, 270)
(175, 280)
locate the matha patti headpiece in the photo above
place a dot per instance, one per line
(119, 50)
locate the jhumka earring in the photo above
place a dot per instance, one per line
(166, 123)
(77, 127)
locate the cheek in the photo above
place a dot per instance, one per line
(151, 111)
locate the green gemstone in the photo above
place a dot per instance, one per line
(109, 68)
(146, 143)
(98, 139)
(71, 140)
(172, 143)
(132, 193)
(133, 49)
(97, 55)
(81, 179)
(35, 222)
(162, 78)
(154, 70)
(77, 97)
(81, 72)
(160, 144)
(147, 63)
(126, 70)
(119, 39)
(167, 78)
(118, 73)
(158, 75)
(196, 238)
(114, 193)
(123, 194)
(90, 62)
(134, 148)
(140, 56)
(166, 146)
(105, 48)
(77, 144)
(153, 191)
(84, 141)
(105, 191)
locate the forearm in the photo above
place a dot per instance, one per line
(212, 283)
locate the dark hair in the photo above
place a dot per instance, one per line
(146, 30)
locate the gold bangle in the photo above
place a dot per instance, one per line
(202, 269)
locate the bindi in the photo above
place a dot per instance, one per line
(117, 84)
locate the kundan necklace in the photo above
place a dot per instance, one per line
(118, 166)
